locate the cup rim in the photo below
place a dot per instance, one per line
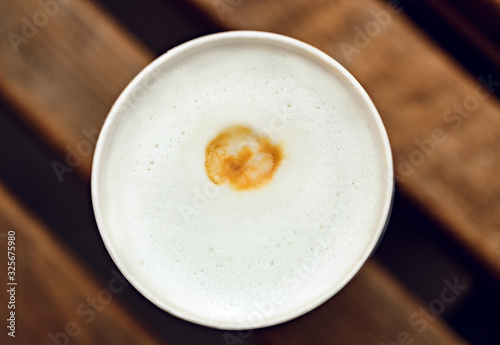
(205, 42)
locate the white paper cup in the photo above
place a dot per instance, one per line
(269, 307)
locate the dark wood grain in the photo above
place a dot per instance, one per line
(446, 161)
(57, 299)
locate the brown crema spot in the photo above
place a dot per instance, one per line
(242, 158)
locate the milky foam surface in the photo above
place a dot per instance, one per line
(233, 258)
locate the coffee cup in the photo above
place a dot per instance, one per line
(242, 179)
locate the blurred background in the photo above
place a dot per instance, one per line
(422, 62)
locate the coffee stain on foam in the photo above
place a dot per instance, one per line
(242, 158)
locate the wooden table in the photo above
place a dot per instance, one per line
(63, 64)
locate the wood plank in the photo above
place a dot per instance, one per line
(64, 75)
(419, 91)
(53, 289)
(349, 317)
